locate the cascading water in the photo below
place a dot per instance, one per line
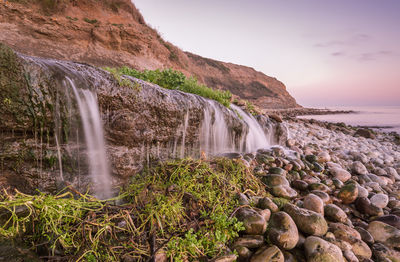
(215, 137)
(94, 137)
(255, 138)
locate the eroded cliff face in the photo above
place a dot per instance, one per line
(142, 123)
(113, 33)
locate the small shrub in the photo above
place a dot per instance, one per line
(250, 108)
(90, 21)
(118, 76)
(72, 19)
(172, 79)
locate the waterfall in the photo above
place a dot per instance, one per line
(256, 137)
(185, 126)
(94, 138)
(59, 157)
(215, 137)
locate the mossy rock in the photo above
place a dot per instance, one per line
(13, 112)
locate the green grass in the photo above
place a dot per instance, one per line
(187, 205)
(172, 79)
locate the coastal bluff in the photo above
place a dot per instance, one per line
(114, 33)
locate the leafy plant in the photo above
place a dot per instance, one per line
(122, 81)
(251, 108)
(185, 206)
(172, 79)
(90, 21)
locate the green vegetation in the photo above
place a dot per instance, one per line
(72, 19)
(172, 79)
(280, 201)
(90, 21)
(250, 108)
(184, 207)
(122, 81)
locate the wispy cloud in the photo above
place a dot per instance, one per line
(350, 41)
(364, 57)
(372, 56)
(338, 54)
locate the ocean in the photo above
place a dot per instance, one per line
(384, 118)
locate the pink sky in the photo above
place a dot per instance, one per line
(327, 53)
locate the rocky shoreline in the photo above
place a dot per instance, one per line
(330, 194)
(302, 111)
(340, 198)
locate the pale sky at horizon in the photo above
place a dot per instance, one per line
(327, 53)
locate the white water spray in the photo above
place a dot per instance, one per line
(59, 157)
(94, 137)
(215, 137)
(184, 129)
(255, 138)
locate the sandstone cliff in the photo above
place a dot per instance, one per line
(113, 33)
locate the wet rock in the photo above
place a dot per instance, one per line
(392, 173)
(365, 235)
(300, 185)
(244, 253)
(380, 200)
(266, 202)
(317, 167)
(289, 257)
(385, 233)
(311, 158)
(283, 191)
(253, 222)
(275, 180)
(265, 213)
(323, 157)
(314, 203)
(364, 206)
(385, 254)
(362, 192)
(249, 241)
(324, 196)
(268, 254)
(393, 203)
(307, 221)
(359, 168)
(318, 250)
(226, 258)
(283, 231)
(335, 213)
(348, 193)
(344, 232)
(337, 183)
(318, 186)
(349, 256)
(277, 171)
(392, 220)
(242, 199)
(377, 179)
(361, 249)
(365, 133)
(340, 173)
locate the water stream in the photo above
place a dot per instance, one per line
(256, 137)
(94, 138)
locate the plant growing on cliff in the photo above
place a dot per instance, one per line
(121, 80)
(173, 79)
(251, 108)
